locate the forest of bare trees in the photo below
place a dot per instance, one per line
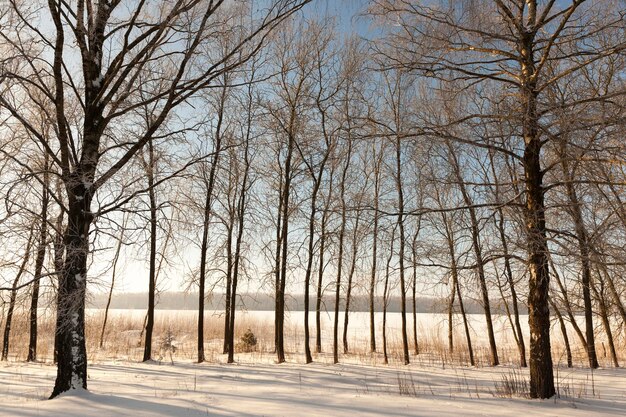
(471, 151)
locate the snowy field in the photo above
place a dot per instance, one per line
(188, 389)
(435, 384)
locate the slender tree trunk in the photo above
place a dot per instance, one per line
(309, 267)
(416, 350)
(603, 270)
(280, 322)
(151, 168)
(372, 289)
(567, 304)
(13, 296)
(229, 285)
(451, 311)
(208, 201)
(519, 336)
(317, 181)
(457, 285)
(580, 230)
(58, 245)
(355, 248)
(241, 211)
(604, 316)
(476, 246)
(340, 256)
(500, 225)
(277, 264)
(39, 261)
(320, 282)
(386, 299)
(568, 349)
(405, 339)
(116, 258)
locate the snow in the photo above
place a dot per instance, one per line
(295, 389)
(361, 385)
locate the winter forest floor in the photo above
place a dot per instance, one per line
(436, 383)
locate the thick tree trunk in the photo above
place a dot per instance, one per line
(541, 373)
(70, 323)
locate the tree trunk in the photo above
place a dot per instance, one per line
(241, 211)
(280, 316)
(70, 322)
(405, 339)
(583, 246)
(541, 373)
(416, 350)
(151, 168)
(39, 261)
(13, 296)
(568, 350)
(476, 246)
(229, 284)
(340, 256)
(277, 264)
(116, 258)
(320, 282)
(517, 330)
(204, 248)
(604, 316)
(386, 299)
(372, 289)
(355, 247)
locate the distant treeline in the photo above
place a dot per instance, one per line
(266, 302)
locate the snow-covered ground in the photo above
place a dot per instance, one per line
(435, 384)
(291, 389)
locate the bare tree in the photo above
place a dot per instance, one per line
(104, 88)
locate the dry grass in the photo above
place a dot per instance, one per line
(123, 341)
